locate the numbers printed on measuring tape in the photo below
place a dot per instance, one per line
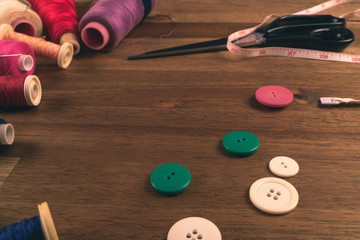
(355, 59)
(290, 52)
(323, 56)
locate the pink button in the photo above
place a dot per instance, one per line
(274, 96)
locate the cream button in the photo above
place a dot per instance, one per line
(274, 195)
(194, 228)
(283, 166)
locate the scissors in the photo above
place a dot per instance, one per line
(316, 32)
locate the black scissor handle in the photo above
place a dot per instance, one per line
(325, 39)
(293, 23)
(319, 32)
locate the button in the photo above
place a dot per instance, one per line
(274, 195)
(170, 179)
(284, 166)
(194, 228)
(240, 143)
(274, 96)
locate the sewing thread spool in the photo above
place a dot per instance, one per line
(21, 17)
(63, 54)
(20, 91)
(109, 21)
(7, 133)
(60, 20)
(36, 228)
(16, 58)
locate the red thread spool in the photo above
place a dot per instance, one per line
(20, 91)
(60, 20)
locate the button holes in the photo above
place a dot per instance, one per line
(276, 197)
(195, 231)
(278, 193)
(282, 163)
(199, 236)
(168, 177)
(285, 166)
(238, 141)
(269, 194)
(188, 235)
(244, 139)
(272, 190)
(173, 173)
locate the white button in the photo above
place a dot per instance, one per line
(194, 228)
(274, 195)
(284, 166)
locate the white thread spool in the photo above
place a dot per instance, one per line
(21, 17)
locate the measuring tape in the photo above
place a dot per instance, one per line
(240, 36)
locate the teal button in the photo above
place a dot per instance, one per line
(240, 143)
(170, 179)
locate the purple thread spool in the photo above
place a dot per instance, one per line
(16, 58)
(109, 21)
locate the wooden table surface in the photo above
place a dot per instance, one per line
(105, 123)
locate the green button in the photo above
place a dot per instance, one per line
(170, 179)
(240, 143)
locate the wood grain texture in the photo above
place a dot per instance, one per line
(7, 164)
(106, 123)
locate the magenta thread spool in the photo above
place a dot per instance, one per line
(109, 21)
(16, 58)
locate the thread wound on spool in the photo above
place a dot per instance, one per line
(36, 228)
(62, 54)
(21, 17)
(117, 17)
(20, 91)
(59, 18)
(16, 58)
(27, 229)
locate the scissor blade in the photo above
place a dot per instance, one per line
(208, 46)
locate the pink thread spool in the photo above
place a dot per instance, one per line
(63, 54)
(16, 58)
